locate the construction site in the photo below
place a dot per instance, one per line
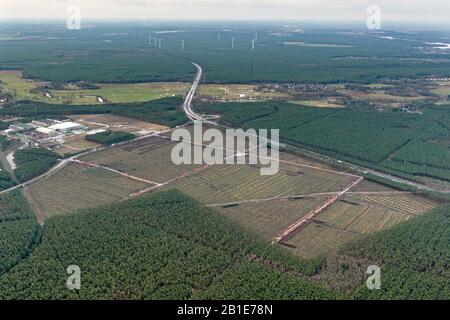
(305, 202)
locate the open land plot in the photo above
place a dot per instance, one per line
(316, 239)
(123, 93)
(441, 88)
(117, 123)
(369, 186)
(238, 92)
(75, 144)
(24, 89)
(234, 183)
(380, 96)
(317, 103)
(355, 216)
(267, 218)
(11, 81)
(78, 187)
(406, 203)
(149, 159)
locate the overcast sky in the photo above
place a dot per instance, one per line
(430, 11)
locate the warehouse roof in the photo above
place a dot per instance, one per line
(65, 126)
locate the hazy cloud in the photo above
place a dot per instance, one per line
(392, 10)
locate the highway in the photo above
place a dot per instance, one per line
(187, 105)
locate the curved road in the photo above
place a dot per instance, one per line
(187, 105)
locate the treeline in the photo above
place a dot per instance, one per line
(159, 246)
(413, 256)
(19, 232)
(5, 143)
(6, 180)
(110, 137)
(166, 111)
(32, 162)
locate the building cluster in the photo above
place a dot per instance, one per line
(45, 132)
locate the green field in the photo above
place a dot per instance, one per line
(12, 82)
(166, 111)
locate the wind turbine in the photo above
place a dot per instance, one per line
(159, 45)
(182, 45)
(232, 43)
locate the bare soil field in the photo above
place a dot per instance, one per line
(142, 159)
(79, 187)
(267, 218)
(359, 214)
(117, 123)
(76, 143)
(231, 183)
(316, 239)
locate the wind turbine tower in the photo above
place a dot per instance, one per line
(232, 43)
(155, 40)
(253, 45)
(256, 36)
(182, 45)
(159, 44)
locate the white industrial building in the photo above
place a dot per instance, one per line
(45, 130)
(66, 126)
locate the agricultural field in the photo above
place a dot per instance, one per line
(121, 93)
(77, 187)
(317, 103)
(222, 184)
(381, 96)
(316, 239)
(148, 159)
(267, 218)
(12, 82)
(358, 214)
